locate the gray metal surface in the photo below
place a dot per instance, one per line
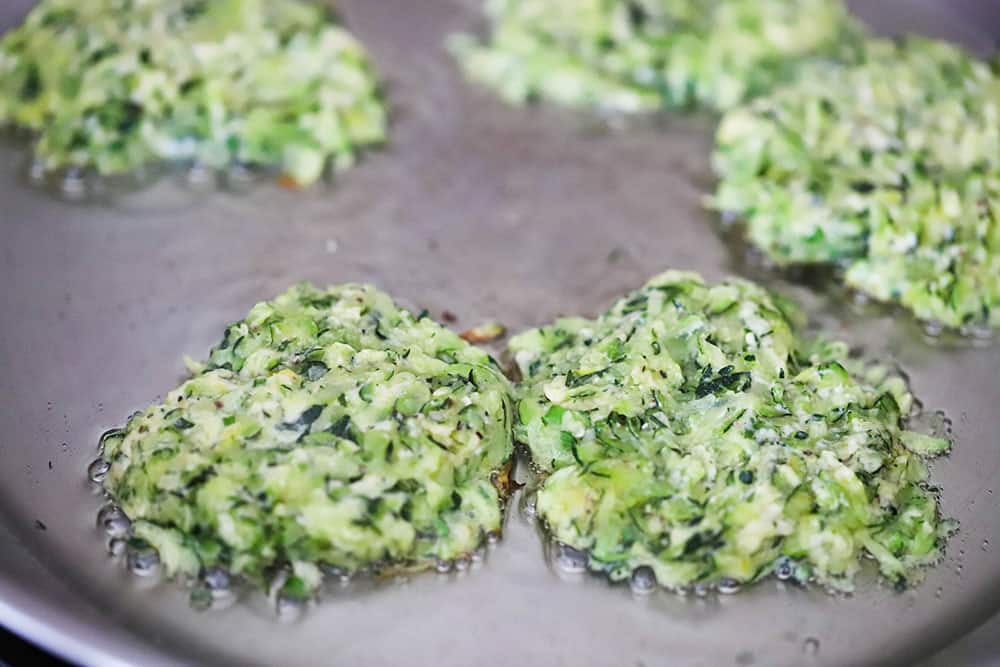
(481, 210)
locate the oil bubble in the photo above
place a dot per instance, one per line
(98, 470)
(106, 513)
(112, 520)
(980, 331)
(810, 646)
(933, 329)
(117, 546)
(143, 560)
(784, 569)
(643, 580)
(217, 579)
(728, 586)
(118, 526)
(569, 560)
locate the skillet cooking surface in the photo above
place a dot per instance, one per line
(487, 212)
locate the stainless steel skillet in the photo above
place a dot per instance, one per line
(484, 211)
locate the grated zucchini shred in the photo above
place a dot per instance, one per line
(329, 427)
(644, 55)
(889, 169)
(692, 431)
(113, 85)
